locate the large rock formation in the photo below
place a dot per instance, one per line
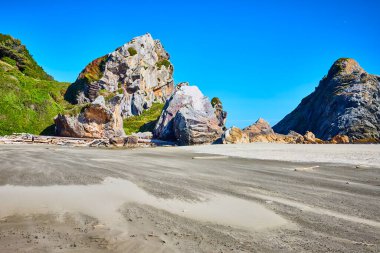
(140, 71)
(188, 118)
(95, 120)
(130, 79)
(346, 102)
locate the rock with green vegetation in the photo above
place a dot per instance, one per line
(145, 122)
(346, 102)
(140, 70)
(28, 104)
(219, 112)
(134, 80)
(17, 55)
(94, 120)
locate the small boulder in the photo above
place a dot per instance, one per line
(144, 135)
(309, 136)
(234, 135)
(340, 139)
(131, 141)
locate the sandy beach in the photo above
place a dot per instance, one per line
(215, 198)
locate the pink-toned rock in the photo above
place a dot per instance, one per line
(234, 135)
(95, 120)
(340, 139)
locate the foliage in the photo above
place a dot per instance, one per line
(16, 54)
(28, 104)
(163, 62)
(132, 51)
(144, 122)
(9, 61)
(94, 71)
(74, 110)
(337, 66)
(106, 94)
(215, 101)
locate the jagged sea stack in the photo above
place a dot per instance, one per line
(346, 102)
(130, 79)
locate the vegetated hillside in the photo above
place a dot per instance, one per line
(16, 54)
(28, 104)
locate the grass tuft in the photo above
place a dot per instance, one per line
(144, 122)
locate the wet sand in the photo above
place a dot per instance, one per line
(190, 199)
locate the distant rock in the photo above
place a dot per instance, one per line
(188, 118)
(346, 102)
(221, 115)
(140, 71)
(95, 120)
(234, 135)
(259, 127)
(340, 139)
(260, 131)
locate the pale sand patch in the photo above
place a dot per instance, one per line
(102, 201)
(357, 154)
(308, 208)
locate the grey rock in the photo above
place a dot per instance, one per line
(221, 115)
(188, 118)
(346, 102)
(94, 121)
(140, 70)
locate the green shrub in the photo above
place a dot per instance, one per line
(215, 101)
(163, 62)
(16, 54)
(74, 110)
(144, 122)
(132, 51)
(9, 61)
(28, 104)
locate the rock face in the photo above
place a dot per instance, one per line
(234, 135)
(221, 115)
(188, 118)
(346, 102)
(340, 139)
(95, 120)
(140, 71)
(127, 81)
(260, 131)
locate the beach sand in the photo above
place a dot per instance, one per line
(219, 198)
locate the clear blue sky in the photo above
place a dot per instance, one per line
(260, 57)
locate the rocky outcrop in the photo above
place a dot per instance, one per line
(340, 139)
(139, 71)
(221, 115)
(260, 131)
(188, 118)
(346, 102)
(95, 120)
(234, 135)
(127, 80)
